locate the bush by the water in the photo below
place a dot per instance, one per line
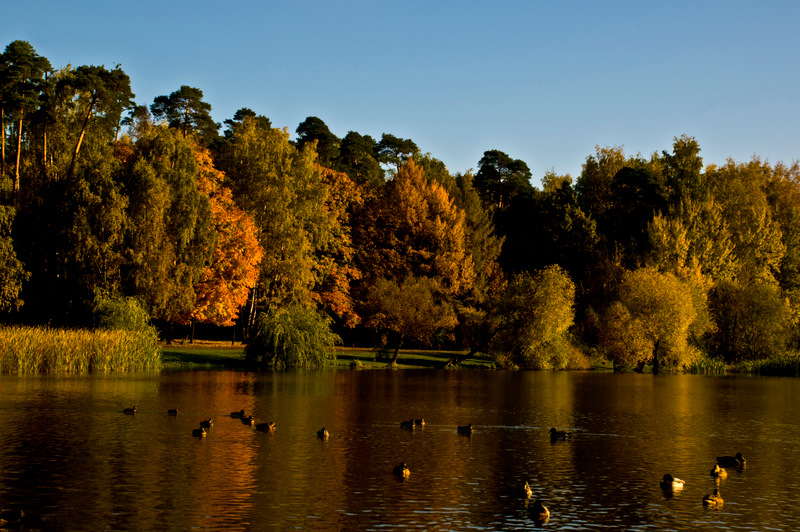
(28, 350)
(296, 337)
(787, 365)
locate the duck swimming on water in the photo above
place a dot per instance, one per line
(731, 461)
(539, 512)
(401, 470)
(465, 429)
(713, 499)
(559, 434)
(671, 483)
(718, 472)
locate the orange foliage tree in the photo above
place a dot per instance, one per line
(226, 282)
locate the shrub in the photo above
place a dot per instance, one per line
(296, 337)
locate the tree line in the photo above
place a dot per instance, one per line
(641, 260)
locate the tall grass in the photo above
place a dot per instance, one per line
(705, 366)
(787, 365)
(29, 350)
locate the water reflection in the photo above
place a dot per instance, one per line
(68, 452)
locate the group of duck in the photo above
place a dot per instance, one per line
(714, 499)
(538, 511)
(244, 417)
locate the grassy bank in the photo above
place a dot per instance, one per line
(31, 350)
(220, 355)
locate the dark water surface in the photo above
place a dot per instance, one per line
(69, 453)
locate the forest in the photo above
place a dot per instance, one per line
(113, 208)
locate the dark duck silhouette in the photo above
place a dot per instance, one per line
(731, 461)
(322, 433)
(556, 435)
(129, 410)
(539, 513)
(407, 424)
(465, 429)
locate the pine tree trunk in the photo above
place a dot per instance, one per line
(80, 140)
(19, 151)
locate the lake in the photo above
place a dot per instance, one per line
(70, 454)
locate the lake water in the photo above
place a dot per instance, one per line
(69, 453)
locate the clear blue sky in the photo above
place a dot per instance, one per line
(543, 81)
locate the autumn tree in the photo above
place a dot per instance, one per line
(337, 270)
(650, 321)
(752, 319)
(227, 280)
(532, 319)
(415, 229)
(411, 309)
(171, 232)
(284, 191)
(740, 189)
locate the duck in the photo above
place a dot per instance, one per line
(266, 427)
(713, 499)
(559, 434)
(401, 470)
(172, 411)
(465, 429)
(249, 420)
(671, 483)
(407, 424)
(539, 512)
(200, 432)
(239, 415)
(419, 422)
(322, 433)
(129, 410)
(525, 490)
(731, 461)
(206, 424)
(718, 472)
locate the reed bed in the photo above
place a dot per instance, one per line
(31, 350)
(787, 365)
(706, 366)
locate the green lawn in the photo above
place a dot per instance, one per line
(217, 355)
